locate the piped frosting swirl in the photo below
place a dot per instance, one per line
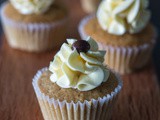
(32, 6)
(79, 70)
(120, 16)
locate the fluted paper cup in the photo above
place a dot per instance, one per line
(95, 109)
(123, 59)
(127, 59)
(33, 37)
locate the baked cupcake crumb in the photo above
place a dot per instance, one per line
(54, 91)
(55, 13)
(93, 29)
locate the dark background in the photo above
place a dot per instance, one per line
(155, 9)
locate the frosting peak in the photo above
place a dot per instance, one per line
(83, 71)
(32, 6)
(121, 16)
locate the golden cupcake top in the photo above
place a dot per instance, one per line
(52, 90)
(79, 65)
(146, 36)
(120, 16)
(32, 6)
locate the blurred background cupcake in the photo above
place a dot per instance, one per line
(77, 85)
(123, 29)
(90, 6)
(34, 25)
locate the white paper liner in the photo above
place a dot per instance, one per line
(122, 59)
(34, 37)
(52, 109)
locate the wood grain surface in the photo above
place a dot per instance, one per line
(138, 100)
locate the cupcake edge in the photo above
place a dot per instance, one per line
(51, 107)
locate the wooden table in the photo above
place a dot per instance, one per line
(139, 99)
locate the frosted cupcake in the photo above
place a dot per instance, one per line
(90, 6)
(77, 86)
(122, 28)
(34, 25)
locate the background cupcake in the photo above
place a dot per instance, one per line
(122, 28)
(90, 6)
(77, 85)
(34, 25)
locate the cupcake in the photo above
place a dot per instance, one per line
(34, 25)
(90, 6)
(77, 85)
(122, 28)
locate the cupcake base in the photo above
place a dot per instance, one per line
(95, 109)
(33, 37)
(123, 59)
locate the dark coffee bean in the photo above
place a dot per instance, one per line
(81, 46)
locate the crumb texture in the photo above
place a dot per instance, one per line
(93, 29)
(55, 13)
(54, 91)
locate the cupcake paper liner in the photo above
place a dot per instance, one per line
(95, 109)
(122, 59)
(34, 37)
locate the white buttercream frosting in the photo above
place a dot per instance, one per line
(82, 71)
(121, 16)
(32, 6)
